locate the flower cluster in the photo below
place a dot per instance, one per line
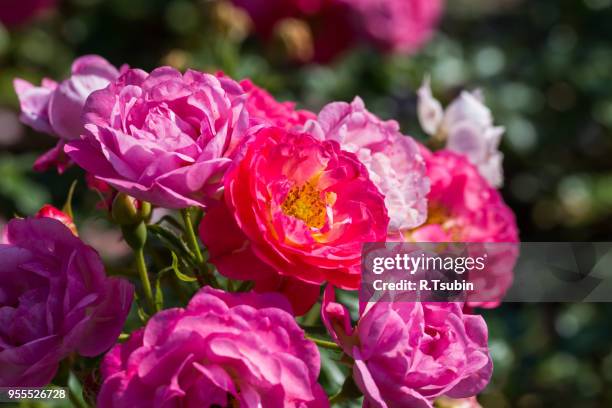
(302, 208)
(282, 200)
(222, 350)
(393, 160)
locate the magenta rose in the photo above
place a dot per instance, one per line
(297, 211)
(393, 160)
(222, 350)
(56, 108)
(54, 300)
(164, 137)
(409, 353)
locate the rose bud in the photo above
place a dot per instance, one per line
(49, 211)
(127, 210)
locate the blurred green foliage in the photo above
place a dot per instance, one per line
(545, 67)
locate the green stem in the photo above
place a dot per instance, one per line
(144, 277)
(324, 343)
(203, 273)
(192, 240)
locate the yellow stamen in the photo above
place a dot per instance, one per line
(305, 203)
(436, 214)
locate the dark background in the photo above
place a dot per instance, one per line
(545, 67)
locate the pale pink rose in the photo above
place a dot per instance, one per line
(224, 349)
(407, 353)
(55, 300)
(467, 127)
(463, 207)
(429, 109)
(297, 210)
(164, 137)
(56, 108)
(398, 25)
(393, 160)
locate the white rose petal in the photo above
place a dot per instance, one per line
(429, 109)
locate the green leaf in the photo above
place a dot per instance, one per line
(335, 374)
(177, 271)
(349, 391)
(172, 221)
(76, 391)
(173, 243)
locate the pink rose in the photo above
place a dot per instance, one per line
(163, 137)
(265, 109)
(463, 207)
(297, 211)
(222, 350)
(56, 108)
(407, 354)
(54, 300)
(398, 25)
(393, 160)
